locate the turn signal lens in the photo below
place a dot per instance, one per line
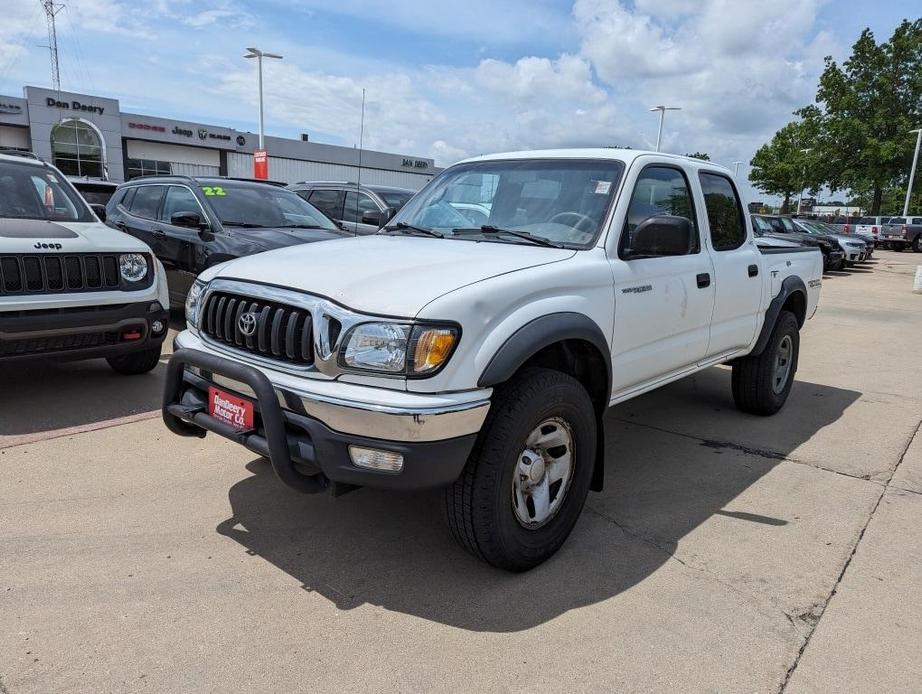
(375, 459)
(433, 347)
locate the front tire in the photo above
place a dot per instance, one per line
(917, 244)
(526, 481)
(761, 384)
(137, 362)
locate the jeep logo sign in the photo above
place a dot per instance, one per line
(48, 246)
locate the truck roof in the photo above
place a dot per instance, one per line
(625, 155)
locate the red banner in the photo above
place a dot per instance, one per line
(261, 164)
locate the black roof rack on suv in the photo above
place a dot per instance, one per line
(196, 179)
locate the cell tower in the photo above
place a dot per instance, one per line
(51, 9)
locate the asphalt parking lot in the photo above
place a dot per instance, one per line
(727, 552)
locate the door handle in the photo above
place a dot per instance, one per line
(753, 270)
(704, 280)
(159, 232)
(121, 226)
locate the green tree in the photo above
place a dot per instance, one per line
(864, 111)
(782, 168)
(699, 155)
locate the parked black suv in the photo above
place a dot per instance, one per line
(782, 228)
(194, 223)
(361, 209)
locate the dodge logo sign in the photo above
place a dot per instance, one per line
(247, 324)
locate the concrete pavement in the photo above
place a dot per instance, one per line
(727, 553)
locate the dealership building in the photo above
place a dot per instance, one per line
(90, 136)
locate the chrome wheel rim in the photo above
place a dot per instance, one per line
(543, 473)
(782, 364)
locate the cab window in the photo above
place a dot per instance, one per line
(330, 202)
(659, 191)
(724, 211)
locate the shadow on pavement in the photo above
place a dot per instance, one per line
(39, 396)
(392, 550)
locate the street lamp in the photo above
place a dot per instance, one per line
(259, 55)
(736, 169)
(912, 171)
(800, 197)
(662, 115)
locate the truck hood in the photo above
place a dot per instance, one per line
(385, 274)
(31, 235)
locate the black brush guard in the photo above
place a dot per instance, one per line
(194, 420)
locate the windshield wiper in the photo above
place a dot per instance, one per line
(403, 226)
(524, 235)
(244, 225)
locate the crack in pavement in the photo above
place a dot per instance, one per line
(756, 599)
(760, 452)
(819, 616)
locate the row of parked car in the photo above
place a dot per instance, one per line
(839, 249)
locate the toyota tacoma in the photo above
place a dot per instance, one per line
(481, 358)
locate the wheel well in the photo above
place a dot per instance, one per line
(796, 303)
(581, 360)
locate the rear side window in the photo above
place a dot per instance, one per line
(357, 205)
(725, 213)
(146, 201)
(330, 202)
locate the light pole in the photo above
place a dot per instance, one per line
(912, 171)
(259, 55)
(800, 195)
(736, 169)
(662, 115)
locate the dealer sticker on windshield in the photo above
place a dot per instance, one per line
(602, 187)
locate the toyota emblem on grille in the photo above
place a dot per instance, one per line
(247, 324)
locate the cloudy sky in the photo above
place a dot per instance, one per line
(451, 79)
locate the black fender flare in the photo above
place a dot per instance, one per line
(543, 332)
(791, 285)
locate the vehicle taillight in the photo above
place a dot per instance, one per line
(905, 231)
(874, 231)
(845, 228)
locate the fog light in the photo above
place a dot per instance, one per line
(374, 459)
(157, 327)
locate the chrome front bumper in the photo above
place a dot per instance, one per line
(388, 415)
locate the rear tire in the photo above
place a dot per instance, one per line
(501, 515)
(761, 384)
(137, 362)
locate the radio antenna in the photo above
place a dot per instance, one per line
(358, 182)
(51, 9)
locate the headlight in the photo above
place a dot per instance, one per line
(132, 266)
(395, 348)
(194, 303)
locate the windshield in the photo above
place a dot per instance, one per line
(394, 198)
(263, 205)
(563, 201)
(28, 191)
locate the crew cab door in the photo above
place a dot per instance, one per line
(356, 205)
(179, 245)
(663, 303)
(737, 266)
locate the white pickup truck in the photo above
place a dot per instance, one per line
(482, 359)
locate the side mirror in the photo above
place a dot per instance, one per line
(378, 219)
(188, 220)
(100, 210)
(663, 235)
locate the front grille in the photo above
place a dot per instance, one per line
(51, 274)
(282, 332)
(56, 343)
